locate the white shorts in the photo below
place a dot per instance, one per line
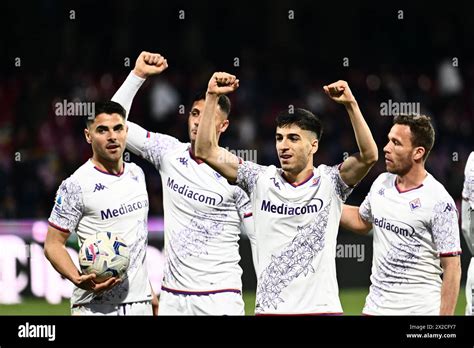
(224, 303)
(470, 288)
(132, 308)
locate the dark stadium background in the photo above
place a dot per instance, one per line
(281, 62)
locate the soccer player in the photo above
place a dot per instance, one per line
(104, 195)
(297, 207)
(203, 213)
(468, 228)
(416, 233)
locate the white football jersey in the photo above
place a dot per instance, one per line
(468, 202)
(296, 229)
(468, 228)
(412, 229)
(203, 215)
(91, 201)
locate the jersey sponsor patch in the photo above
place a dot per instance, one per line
(312, 207)
(203, 196)
(124, 209)
(398, 227)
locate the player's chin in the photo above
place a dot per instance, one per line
(391, 169)
(285, 165)
(113, 156)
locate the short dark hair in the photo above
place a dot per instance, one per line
(304, 119)
(422, 132)
(107, 107)
(224, 101)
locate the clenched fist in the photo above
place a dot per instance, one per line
(340, 92)
(222, 83)
(148, 64)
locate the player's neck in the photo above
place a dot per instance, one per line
(413, 179)
(297, 178)
(114, 168)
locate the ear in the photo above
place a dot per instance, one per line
(418, 153)
(87, 135)
(224, 125)
(314, 146)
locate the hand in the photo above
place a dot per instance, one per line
(222, 83)
(148, 64)
(339, 92)
(86, 282)
(100, 288)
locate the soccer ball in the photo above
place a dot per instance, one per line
(104, 254)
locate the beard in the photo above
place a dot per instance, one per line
(400, 168)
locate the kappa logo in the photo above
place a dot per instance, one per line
(449, 207)
(183, 161)
(99, 187)
(277, 184)
(381, 192)
(415, 204)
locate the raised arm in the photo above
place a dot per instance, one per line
(147, 64)
(207, 147)
(352, 221)
(139, 139)
(358, 165)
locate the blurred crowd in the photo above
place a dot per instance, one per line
(280, 63)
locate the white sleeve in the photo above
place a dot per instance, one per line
(341, 189)
(467, 227)
(68, 206)
(468, 186)
(148, 145)
(467, 204)
(365, 209)
(125, 94)
(248, 174)
(445, 228)
(244, 209)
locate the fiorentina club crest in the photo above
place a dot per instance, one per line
(315, 181)
(415, 204)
